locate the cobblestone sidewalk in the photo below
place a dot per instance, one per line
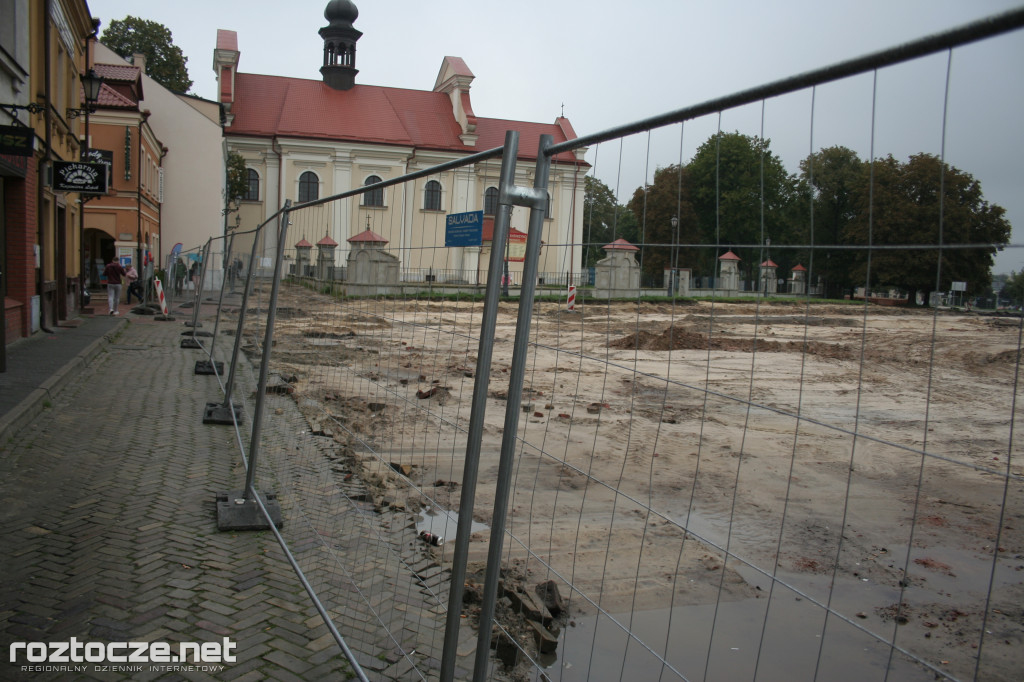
(109, 533)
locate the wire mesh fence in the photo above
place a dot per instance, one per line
(743, 453)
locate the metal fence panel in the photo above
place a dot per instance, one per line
(738, 484)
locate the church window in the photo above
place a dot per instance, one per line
(309, 187)
(375, 197)
(432, 196)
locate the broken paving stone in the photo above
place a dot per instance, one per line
(506, 649)
(472, 594)
(551, 597)
(404, 469)
(277, 385)
(546, 642)
(527, 604)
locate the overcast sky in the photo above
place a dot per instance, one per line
(611, 63)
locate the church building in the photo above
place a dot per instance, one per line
(308, 139)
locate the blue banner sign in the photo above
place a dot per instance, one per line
(464, 229)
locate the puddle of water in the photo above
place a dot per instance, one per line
(444, 523)
(697, 644)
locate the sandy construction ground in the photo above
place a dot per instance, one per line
(859, 461)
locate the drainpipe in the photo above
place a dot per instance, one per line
(280, 173)
(160, 208)
(138, 202)
(43, 168)
(280, 176)
(83, 264)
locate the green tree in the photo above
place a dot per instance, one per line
(165, 62)
(237, 177)
(655, 206)
(900, 206)
(742, 194)
(835, 175)
(604, 220)
(1013, 288)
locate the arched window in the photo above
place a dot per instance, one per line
(432, 196)
(547, 207)
(374, 197)
(491, 201)
(252, 190)
(309, 187)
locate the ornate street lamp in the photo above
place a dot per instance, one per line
(675, 256)
(91, 85)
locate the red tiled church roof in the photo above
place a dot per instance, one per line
(619, 245)
(368, 236)
(267, 106)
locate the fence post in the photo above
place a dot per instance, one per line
(536, 200)
(241, 510)
(226, 412)
(481, 382)
(211, 366)
(190, 341)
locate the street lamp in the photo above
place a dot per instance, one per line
(92, 83)
(91, 86)
(672, 284)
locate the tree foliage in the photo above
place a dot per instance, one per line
(742, 194)
(165, 62)
(604, 220)
(1013, 288)
(922, 204)
(655, 206)
(237, 184)
(835, 176)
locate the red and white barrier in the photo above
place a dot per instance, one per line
(160, 294)
(571, 303)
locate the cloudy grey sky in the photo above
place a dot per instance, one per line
(611, 63)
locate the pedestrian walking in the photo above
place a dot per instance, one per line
(134, 288)
(115, 274)
(180, 271)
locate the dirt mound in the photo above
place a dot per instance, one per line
(674, 338)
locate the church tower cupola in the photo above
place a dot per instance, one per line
(340, 37)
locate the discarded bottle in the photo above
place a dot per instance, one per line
(431, 539)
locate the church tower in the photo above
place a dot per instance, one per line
(340, 37)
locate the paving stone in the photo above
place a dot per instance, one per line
(134, 552)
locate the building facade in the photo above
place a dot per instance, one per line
(125, 222)
(355, 135)
(192, 166)
(42, 50)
